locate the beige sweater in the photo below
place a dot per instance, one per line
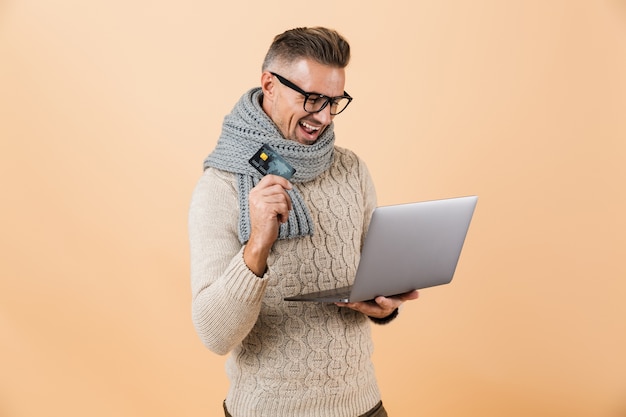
(287, 358)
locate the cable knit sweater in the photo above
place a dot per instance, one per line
(295, 359)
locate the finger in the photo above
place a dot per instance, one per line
(411, 295)
(270, 180)
(268, 195)
(368, 308)
(386, 303)
(279, 203)
(273, 192)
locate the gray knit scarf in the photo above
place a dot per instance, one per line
(244, 130)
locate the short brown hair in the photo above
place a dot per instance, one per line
(323, 45)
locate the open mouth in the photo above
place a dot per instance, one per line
(310, 129)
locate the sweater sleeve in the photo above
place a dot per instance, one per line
(226, 295)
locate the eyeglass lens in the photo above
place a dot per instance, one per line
(315, 103)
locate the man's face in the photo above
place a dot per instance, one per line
(286, 106)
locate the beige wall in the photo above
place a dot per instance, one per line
(107, 109)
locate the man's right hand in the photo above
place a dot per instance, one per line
(269, 207)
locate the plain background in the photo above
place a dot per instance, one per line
(107, 109)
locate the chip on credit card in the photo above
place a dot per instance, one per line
(267, 161)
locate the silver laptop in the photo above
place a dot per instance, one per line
(407, 247)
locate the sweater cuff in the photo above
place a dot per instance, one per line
(387, 319)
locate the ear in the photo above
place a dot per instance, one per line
(268, 84)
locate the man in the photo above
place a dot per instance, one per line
(255, 240)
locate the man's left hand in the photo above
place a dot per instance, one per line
(381, 307)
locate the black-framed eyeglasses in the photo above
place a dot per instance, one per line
(315, 102)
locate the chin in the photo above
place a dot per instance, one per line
(307, 141)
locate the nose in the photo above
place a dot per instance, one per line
(324, 116)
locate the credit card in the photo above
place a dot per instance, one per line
(268, 161)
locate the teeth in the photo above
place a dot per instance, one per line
(308, 126)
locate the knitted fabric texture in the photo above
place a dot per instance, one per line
(286, 358)
(244, 130)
